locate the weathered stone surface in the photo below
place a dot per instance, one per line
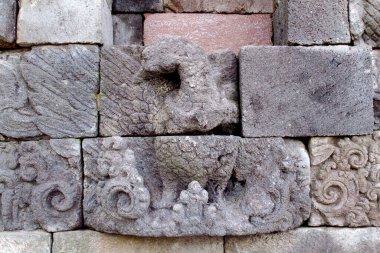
(310, 22)
(219, 6)
(198, 185)
(8, 10)
(209, 31)
(49, 90)
(64, 21)
(41, 185)
(314, 91)
(365, 22)
(140, 6)
(171, 87)
(127, 29)
(311, 240)
(25, 242)
(345, 181)
(376, 75)
(95, 242)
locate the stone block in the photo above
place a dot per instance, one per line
(306, 91)
(310, 22)
(376, 75)
(127, 29)
(220, 6)
(95, 242)
(25, 242)
(139, 6)
(195, 185)
(365, 22)
(41, 185)
(169, 87)
(311, 240)
(345, 181)
(8, 10)
(211, 31)
(50, 90)
(64, 21)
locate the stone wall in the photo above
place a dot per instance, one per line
(189, 126)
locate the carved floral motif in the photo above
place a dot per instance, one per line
(345, 181)
(40, 185)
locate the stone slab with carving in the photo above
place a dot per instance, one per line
(40, 185)
(49, 90)
(316, 91)
(169, 87)
(365, 22)
(195, 185)
(345, 181)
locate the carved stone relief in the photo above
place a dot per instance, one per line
(195, 185)
(40, 185)
(169, 87)
(365, 22)
(345, 185)
(49, 90)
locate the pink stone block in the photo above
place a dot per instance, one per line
(211, 31)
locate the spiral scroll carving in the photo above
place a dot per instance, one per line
(125, 199)
(54, 198)
(345, 184)
(40, 185)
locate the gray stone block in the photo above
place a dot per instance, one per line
(345, 181)
(50, 90)
(310, 240)
(95, 242)
(131, 6)
(8, 10)
(64, 21)
(25, 242)
(365, 22)
(310, 22)
(220, 6)
(127, 29)
(41, 185)
(306, 91)
(195, 185)
(169, 87)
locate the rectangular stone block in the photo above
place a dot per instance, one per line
(127, 29)
(64, 21)
(169, 87)
(8, 10)
(90, 241)
(345, 181)
(311, 240)
(25, 242)
(49, 90)
(128, 6)
(310, 22)
(365, 22)
(195, 185)
(306, 91)
(41, 185)
(211, 31)
(219, 6)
